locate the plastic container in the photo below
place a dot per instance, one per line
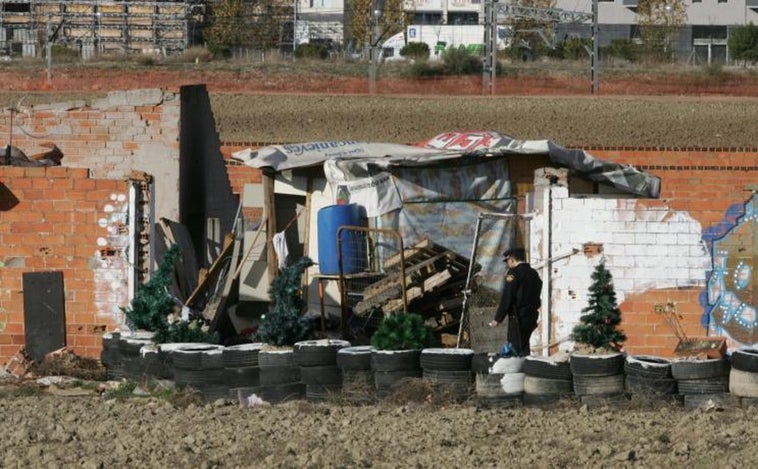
(330, 219)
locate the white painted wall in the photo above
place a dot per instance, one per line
(646, 246)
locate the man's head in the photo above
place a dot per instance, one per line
(514, 256)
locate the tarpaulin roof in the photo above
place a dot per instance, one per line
(451, 145)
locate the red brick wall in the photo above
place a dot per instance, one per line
(57, 219)
(704, 183)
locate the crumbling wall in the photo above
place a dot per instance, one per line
(61, 219)
(111, 136)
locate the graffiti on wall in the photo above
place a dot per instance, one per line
(729, 299)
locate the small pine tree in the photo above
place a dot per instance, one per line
(285, 325)
(153, 307)
(401, 331)
(152, 303)
(598, 326)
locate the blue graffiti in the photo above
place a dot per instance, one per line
(728, 301)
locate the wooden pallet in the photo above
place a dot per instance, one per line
(434, 280)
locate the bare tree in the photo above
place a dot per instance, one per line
(394, 17)
(529, 32)
(660, 21)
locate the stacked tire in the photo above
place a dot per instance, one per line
(279, 375)
(110, 356)
(155, 364)
(241, 371)
(200, 367)
(448, 370)
(391, 367)
(649, 379)
(598, 379)
(511, 371)
(499, 381)
(130, 349)
(319, 372)
(743, 377)
(357, 376)
(702, 383)
(547, 380)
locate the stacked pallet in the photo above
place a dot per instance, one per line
(435, 278)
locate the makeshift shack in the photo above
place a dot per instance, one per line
(436, 190)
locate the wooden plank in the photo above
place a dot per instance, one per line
(213, 272)
(216, 311)
(269, 211)
(410, 276)
(397, 258)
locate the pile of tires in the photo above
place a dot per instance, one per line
(511, 372)
(743, 377)
(200, 366)
(241, 372)
(155, 365)
(391, 367)
(279, 375)
(649, 379)
(110, 356)
(357, 376)
(499, 382)
(547, 380)
(448, 370)
(702, 382)
(598, 379)
(130, 349)
(319, 372)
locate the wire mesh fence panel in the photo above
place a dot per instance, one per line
(495, 232)
(372, 278)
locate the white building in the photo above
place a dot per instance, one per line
(703, 36)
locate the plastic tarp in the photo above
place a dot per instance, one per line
(350, 160)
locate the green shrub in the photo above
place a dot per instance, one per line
(311, 51)
(623, 49)
(415, 50)
(402, 331)
(64, 53)
(743, 43)
(459, 61)
(575, 48)
(423, 68)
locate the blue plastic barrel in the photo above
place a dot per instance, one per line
(330, 219)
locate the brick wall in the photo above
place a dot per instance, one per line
(60, 219)
(111, 136)
(689, 248)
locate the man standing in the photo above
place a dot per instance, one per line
(520, 301)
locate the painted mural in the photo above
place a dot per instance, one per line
(729, 299)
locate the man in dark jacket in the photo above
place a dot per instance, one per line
(520, 301)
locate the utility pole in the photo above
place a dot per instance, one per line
(595, 49)
(294, 27)
(49, 48)
(376, 13)
(489, 70)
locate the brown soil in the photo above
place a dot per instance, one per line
(691, 110)
(95, 431)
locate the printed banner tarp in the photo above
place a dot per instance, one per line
(358, 158)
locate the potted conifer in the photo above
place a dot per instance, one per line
(597, 363)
